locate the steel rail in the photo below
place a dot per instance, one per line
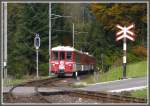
(106, 97)
(36, 83)
(52, 80)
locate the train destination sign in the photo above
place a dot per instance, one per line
(125, 33)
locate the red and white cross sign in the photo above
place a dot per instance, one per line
(125, 32)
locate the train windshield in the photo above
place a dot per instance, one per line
(68, 56)
(54, 55)
(62, 55)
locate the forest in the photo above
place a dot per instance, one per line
(95, 31)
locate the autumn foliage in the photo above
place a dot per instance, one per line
(140, 50)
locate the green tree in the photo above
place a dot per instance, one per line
(24, 20)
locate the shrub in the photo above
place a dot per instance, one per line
(43, 69)
(131, 58)
(140, 51)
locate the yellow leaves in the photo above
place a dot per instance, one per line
(94, 7)
(144, 19)
(114, 10)
(110, 14)
(97, 7)
(138, 8)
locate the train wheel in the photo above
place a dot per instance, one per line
(60, 75)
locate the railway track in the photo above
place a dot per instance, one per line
(99, 96)
(43, 83)
(36, 84)
(105, 97)
(10, 95)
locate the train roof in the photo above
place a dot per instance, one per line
(68, 48)
(65, 48)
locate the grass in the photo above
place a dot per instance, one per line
(78, 85)
(137, 69)
(140, 93)
(11, 82)
(133, 70)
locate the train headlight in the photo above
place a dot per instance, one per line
(70, 65)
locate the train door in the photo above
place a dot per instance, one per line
(54, 61)
(62, 62)
(69, 62)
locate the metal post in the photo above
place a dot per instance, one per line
(49, 38)
(77, 75)
(5, 40)
(102, 60)
(124, 57)
(37, 70)
(2, 50)
(37, 45)
(73, 34)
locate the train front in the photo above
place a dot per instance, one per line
(61, 61)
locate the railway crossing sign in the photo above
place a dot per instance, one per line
(125, 33)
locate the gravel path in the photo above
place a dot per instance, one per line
(52, 98)
(70, 99)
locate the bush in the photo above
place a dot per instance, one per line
(43, 69)
(17, 70)
(106, 67)
(140, 51)
(131, 58)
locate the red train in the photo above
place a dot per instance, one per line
(67, 60)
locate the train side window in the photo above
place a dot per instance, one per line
(62, 55)
(78, 57)
(54, 55)
(68, 57)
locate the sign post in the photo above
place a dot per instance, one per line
(125, 34)
(37, 45)
(124, 56)
(4, 41)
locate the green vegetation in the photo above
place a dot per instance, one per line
(22, 80)
(138, 69)
(78, 85)
(140, 93)
(99, 20)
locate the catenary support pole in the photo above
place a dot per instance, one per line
(2, 43)
(73, 34)
(5, 40)
(49, 38)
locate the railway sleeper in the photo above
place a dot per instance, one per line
(108, 97)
